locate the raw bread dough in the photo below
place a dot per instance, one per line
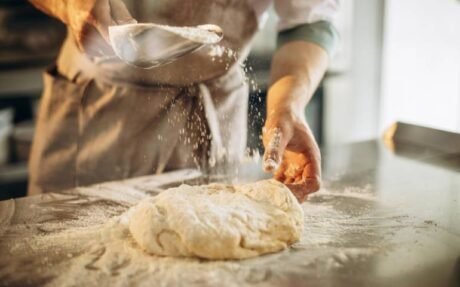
(218, 221)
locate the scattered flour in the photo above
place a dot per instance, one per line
(92, 246)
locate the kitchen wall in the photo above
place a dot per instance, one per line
(353, 89)
(403, 65)
(421, 63)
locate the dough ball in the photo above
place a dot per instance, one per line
(218, 221)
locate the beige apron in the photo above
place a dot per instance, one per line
(106, 121)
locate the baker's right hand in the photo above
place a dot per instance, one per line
(89, 21)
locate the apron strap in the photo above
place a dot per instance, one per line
(217, 150)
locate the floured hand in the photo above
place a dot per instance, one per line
(292, 153)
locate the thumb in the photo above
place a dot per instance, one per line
(120, 14)
(274, 149)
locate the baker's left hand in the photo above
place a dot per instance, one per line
(291, 152)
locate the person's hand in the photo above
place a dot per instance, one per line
(89, 21)
(292, 153)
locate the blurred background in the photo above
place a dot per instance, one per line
(397, 61)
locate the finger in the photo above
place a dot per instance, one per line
(279, 174)
(274, 149)
(89, 41)
(311, 185)
(298, 191)
(309, 148)
(302, 190)
(312, 171)
(298, 178)
(120, 14)
(100, 18)
(103, 43)
(293, 170)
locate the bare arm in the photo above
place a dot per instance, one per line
(291, 151)
(297, 69)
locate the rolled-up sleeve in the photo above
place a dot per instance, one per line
(308, 20)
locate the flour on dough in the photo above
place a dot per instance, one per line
(218, 221)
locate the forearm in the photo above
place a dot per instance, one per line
(297, 68)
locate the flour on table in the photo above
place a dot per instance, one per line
(218, 221)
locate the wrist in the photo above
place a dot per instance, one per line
(285, 109)
(288, 94)
(285, 119)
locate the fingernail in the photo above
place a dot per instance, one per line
(270, 165)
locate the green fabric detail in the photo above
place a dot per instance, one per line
(322, 33)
